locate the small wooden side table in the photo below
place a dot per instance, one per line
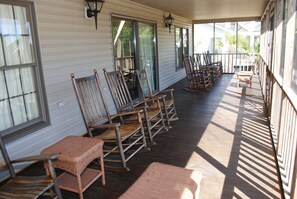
(75, 154)
(245, 76)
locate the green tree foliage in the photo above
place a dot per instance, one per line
(243, 43)
(257, 46)
(219, 44)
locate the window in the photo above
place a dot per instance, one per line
(181, 45)
(22, 105)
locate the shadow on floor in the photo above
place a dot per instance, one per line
(222, 132)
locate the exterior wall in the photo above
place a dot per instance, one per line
(278, 67)
(71, 44)
(166, 50)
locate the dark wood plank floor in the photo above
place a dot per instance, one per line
(222, 132)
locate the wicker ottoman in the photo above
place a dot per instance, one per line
(165, 181)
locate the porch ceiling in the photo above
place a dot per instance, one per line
(210, 10)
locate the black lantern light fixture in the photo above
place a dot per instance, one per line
(94, 7)
(168, 22)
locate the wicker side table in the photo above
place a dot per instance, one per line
(75, 154)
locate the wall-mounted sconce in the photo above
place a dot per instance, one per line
(168, 22)
(94, 7)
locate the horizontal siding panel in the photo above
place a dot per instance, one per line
(73, 50)
(65, 40)
(79, 34)
(69, 56)
(57, 3)
(81, 70)
(78, 63)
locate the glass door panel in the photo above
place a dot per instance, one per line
(147, 51)
(123, 37)
(124, 50)
(178, 48)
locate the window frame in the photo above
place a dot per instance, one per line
(43, 120)
(177, 56)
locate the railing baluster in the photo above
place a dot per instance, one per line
(232, 68)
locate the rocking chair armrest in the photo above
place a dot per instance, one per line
(153, 98)
(217, 63)
(162, 97)
(36, 158)
(150, 98)
(198, 72)
(107, 126)
(156, 99)
(126, 113)
(207, 65)
(137, 103)
(147, 99)
(166, 91)
(139, 106)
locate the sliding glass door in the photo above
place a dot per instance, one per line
(135, 48)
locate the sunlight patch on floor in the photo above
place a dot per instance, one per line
(213, 178)
(238, 194)
(213, 144)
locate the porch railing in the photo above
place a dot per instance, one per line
(233, 62)
(283, 123)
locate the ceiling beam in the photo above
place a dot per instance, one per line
(267, 9)
(256, 18)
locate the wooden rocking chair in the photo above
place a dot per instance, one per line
(198, 79)
(121, 140)
(29, 186)
(152, 115)
(208, 61)
(167, 104)
(196, 65)
(214, 67)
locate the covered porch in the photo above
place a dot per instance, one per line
(223, 133)
(242, 139)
